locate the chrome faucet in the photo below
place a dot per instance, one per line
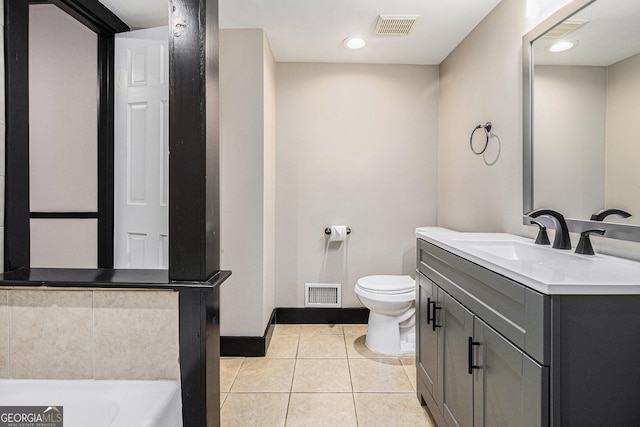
(603, 213)
(562, 239)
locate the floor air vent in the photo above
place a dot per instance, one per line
(322, 295)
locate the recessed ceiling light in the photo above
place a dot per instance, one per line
(354, 42)
(561, 46)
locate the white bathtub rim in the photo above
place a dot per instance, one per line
(108, 403)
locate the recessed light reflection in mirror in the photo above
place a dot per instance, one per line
(561, 46)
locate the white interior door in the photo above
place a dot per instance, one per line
(141, 223)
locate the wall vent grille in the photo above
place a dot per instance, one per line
(565, 28)
(322, 295)
(395, 25)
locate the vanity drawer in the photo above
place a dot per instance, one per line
(517, 312)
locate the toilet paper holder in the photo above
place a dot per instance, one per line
(327, 230)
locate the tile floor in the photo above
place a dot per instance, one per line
(320, 375)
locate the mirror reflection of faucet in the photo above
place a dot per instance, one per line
(603, 213)
(561, 240)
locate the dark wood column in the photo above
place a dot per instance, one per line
(194, 246)
(16, 192)
(106, 164)
(200, 353)
(194, 214)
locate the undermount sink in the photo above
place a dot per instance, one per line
(513, 250)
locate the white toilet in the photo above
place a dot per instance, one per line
(391, 303)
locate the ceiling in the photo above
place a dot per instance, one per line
(313, 31)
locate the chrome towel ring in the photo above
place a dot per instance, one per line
(487, 131)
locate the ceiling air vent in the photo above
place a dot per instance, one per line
(564, 28)
(395, 25)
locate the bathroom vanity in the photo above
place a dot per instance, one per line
(510, 333)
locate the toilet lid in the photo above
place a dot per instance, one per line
(387, 284)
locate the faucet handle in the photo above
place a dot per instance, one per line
(562, 239)
(584, 245)
(603, 213)
(543, 237)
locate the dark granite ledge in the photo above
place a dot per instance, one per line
(104, 278)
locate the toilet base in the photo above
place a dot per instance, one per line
(386, 335)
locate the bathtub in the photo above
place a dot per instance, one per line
(114, 403)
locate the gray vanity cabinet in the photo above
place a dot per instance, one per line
(468, 373)
(536, 359)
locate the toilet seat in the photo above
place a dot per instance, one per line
(387, 285)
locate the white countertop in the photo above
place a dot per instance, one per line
(546, 270)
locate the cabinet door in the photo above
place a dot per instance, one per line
(457, 383)
(509, 387)
(427, 352)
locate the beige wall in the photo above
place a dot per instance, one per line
(63, 243)
(247, 135)
(62, 112)
(84, 334)
(481, 80)
(269, 219)
(385, 160)
(62, 136)
(356, 145)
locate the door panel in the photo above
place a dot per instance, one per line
(141, 150)
(427, 354)
(457, 327)
(508, 385)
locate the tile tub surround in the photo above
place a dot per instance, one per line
(89, 334)
(50, 334)
(339, 382)
(135, 335)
